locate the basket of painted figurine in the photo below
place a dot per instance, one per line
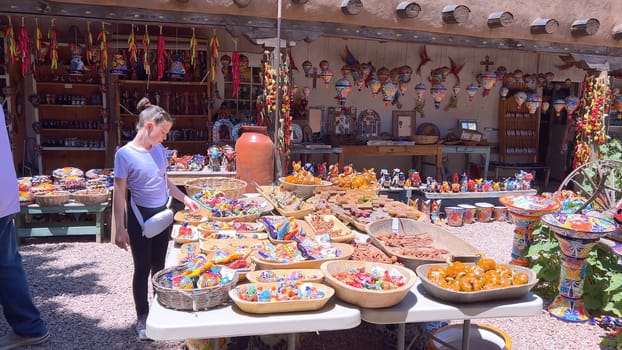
(51, 199)
(192, 299)
(232, 188)
(91, 197)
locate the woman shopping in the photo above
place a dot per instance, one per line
(142, 184)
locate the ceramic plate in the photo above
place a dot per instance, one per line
(578, 225)
(529, 205)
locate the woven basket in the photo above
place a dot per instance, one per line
(90, 197)
(232, 188)
(50, 199)
(425, 139)
(191, 299)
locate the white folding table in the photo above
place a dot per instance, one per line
(419, 307)
(230, 321)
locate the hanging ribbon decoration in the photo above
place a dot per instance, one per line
(10, 37)
(132, 49)
(235, 72)
(38, 39)
(146, 43)
(213, 44)
(53, 47)
(103, 48)
(161, 54)
(24, 48)
(194, 50)
(89, 44)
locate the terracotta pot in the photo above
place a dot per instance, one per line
(254, 157)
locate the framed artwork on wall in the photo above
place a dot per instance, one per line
(404, 124)
(343, 127)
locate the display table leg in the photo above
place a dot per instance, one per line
(401, 335)
(291, 341)
(466, 334)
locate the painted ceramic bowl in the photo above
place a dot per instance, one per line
(578, 226)
(529, 205)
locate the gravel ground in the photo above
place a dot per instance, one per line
(83, 291)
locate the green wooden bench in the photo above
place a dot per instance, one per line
(32, 228)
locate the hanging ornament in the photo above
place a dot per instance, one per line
(213, 44)
(572, 103)
(343, 87)
(324, 65)
(545, 106)
(455, 90)
(90, 48)
(176, 70)
(532, 103)
(419, 92)
(501, 72)
(76, 66)
(365, 69)
(307, 66)
(402, 87)
(383, 75)
(132, 49)
(375, 85)
(405, 72)
(388, 89)
(12, 45)
(394, 75)
(146, 43)
(235, 73)
(161, 55)
(558, 106)
(326, 75)
(438, 94)
(194, 49)
(549, 76)
(488, 81)
(24, 48)
(225, 61)
(306, 91)
(518, 75)
(540, 79)
(528, 79)
(471, 91)
(346, 70)
(54, 46)
(503, 92)
(520, 97)
(40, 57)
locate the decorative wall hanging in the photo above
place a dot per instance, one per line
(423, 55)
(520, 97)
(325, 73)
(118, 65)
(404, 124)
(383, 74)
(39, 56)
(532, 103)
(54, 45)
(343, 87)
(471, 90)
(375, 85)
(590, 123)
(146, 46)
(161, 55)
(235, 72)
(342, 121)
(438, 93)
(24, 48)
(388, 89)
(558, 106)
(368, 125)
(213, 46)
(13, 50)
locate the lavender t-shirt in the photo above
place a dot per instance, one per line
(145, 171)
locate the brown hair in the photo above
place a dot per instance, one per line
(149, 112)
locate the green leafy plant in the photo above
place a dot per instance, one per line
(602, 290)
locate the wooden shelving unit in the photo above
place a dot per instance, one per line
(188, 102)
(518, 132)
(243, 105)
(71, 120)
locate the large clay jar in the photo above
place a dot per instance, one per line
(254, 152)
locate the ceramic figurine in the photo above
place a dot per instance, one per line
(322, 172)
(401, 179)
(76, 66)
(214, 154)
(228, 159)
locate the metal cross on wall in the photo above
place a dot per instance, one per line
(486, 62)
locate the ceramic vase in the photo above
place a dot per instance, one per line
(525, 212)
(254, 157)
(576, 234)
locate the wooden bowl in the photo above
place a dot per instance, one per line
(281, 306)
(304, 191)
(346, 251)
(190, 217)
(268, 276)
(364, 297)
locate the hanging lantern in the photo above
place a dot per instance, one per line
(323, 65)
(346, 70)
(488, 80)
(402, 86)
(503, 92)
(545, 106)
(374, 85)
(572, 103)
(471, 91)
(388, 89)
(558, 105)
(306, 91)
(326, 75)
(343, 87)
(365, 69)
(438, 94)
(307, 66)
(405, 73)
(532, 103)
(419, 91)
(225, 61)
(520, 98)
(383, 74)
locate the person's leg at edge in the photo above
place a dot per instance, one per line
(19, 309)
